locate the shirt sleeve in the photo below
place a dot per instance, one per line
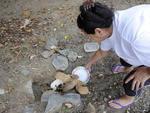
(141, 48)
(106, 45)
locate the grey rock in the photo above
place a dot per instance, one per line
(64, 52)
(45, 95)
(27, 88)
(51, 42)
(46, 54)
(60, 62)
(73, 98)
(91, 47)
(28, 109)
(105, 99)
(72, 56)
(56, 101)
(25, 71)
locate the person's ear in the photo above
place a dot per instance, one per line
(98, 30)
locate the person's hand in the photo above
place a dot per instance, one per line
(88, 4)
(139, 78)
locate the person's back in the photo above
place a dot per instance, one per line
(133, 34)
(132, 22)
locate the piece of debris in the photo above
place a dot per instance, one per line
(26, 13)
(2, 91)
(55, 84)
(68, 105)
(26, 22)
(32, 56)
(91, 47)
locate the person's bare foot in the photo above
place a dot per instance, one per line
(122, 102)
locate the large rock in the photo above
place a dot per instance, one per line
(60, 63)
(55, 100)
(51, 43)
(45, 95)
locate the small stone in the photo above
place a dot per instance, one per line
(72, 56)
(2, 91)
(64, 52)
(60, 63)
(91, 47)
(100, 75)
(105, 99)
(90, 108)
(109, 96)
(102, 107)
(25, 71)
(104, 112)
(80, 57)
(28, 109)
(46, 54)
(51, 43)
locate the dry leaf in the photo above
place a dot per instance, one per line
(64, 77)
(70, 85)
(83, 90)
(74, 76)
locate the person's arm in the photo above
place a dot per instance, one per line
(97, 56)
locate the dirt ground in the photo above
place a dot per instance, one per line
(20, 58)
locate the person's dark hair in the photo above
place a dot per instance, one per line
(99, 16)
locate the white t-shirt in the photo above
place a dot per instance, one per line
(131, 35)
